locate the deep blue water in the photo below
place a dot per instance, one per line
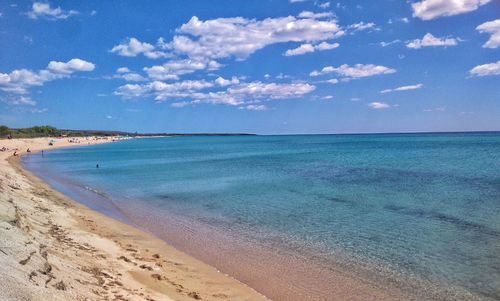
(425, 205)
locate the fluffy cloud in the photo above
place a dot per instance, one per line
(132, 77)
(362, 26)
(172, 69)
(239, 37)
(43, 10)
(356, 71)
(122, 70)
(486, 69)
(311, 15)
(19, 81)
(307, 48)
(430, 40)
(403, 88)
(430, 9)
(379, 105)
(133, 47)
(127, 75)
(190, 92)
(199, 45)
(220, 81)
(73, 65)
(302, 49)
(493, 28)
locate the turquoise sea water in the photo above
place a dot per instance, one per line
(424, 208)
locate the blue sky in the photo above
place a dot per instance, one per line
(269, 67)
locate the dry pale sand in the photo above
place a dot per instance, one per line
(52, 248)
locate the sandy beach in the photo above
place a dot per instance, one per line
(53, 248)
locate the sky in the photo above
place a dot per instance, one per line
(265, 67)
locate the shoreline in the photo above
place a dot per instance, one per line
(54, 248)
(136, 265)
(293, 278)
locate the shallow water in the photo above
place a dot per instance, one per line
(420, 212)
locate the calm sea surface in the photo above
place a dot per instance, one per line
(420, 212)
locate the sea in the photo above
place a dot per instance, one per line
(293, 215)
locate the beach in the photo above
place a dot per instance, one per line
(247, 218)
(53, 248)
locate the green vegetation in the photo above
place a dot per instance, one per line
(50, 131)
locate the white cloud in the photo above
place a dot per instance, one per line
(356, 71)
(362, 26)
(302, 49)
(311, 15)
(332, 81)
(19, 81)
(328, 97)
(71, 66)
(43, 10)
(254, 107)
(493, 28)
(430, 9)
(172, 69)
(281, 75)
(226, 82)
(133, 47)
(126, 74)
(132, 77)
(239, 37)
(486, 69)
(403, 88)
(123, 70)
(324, 5)
(379, 105)
(385, 44)
(191, 92)
(18, 100)
(198, 44)
(307, 48)
(430, 40)
(326, 46)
